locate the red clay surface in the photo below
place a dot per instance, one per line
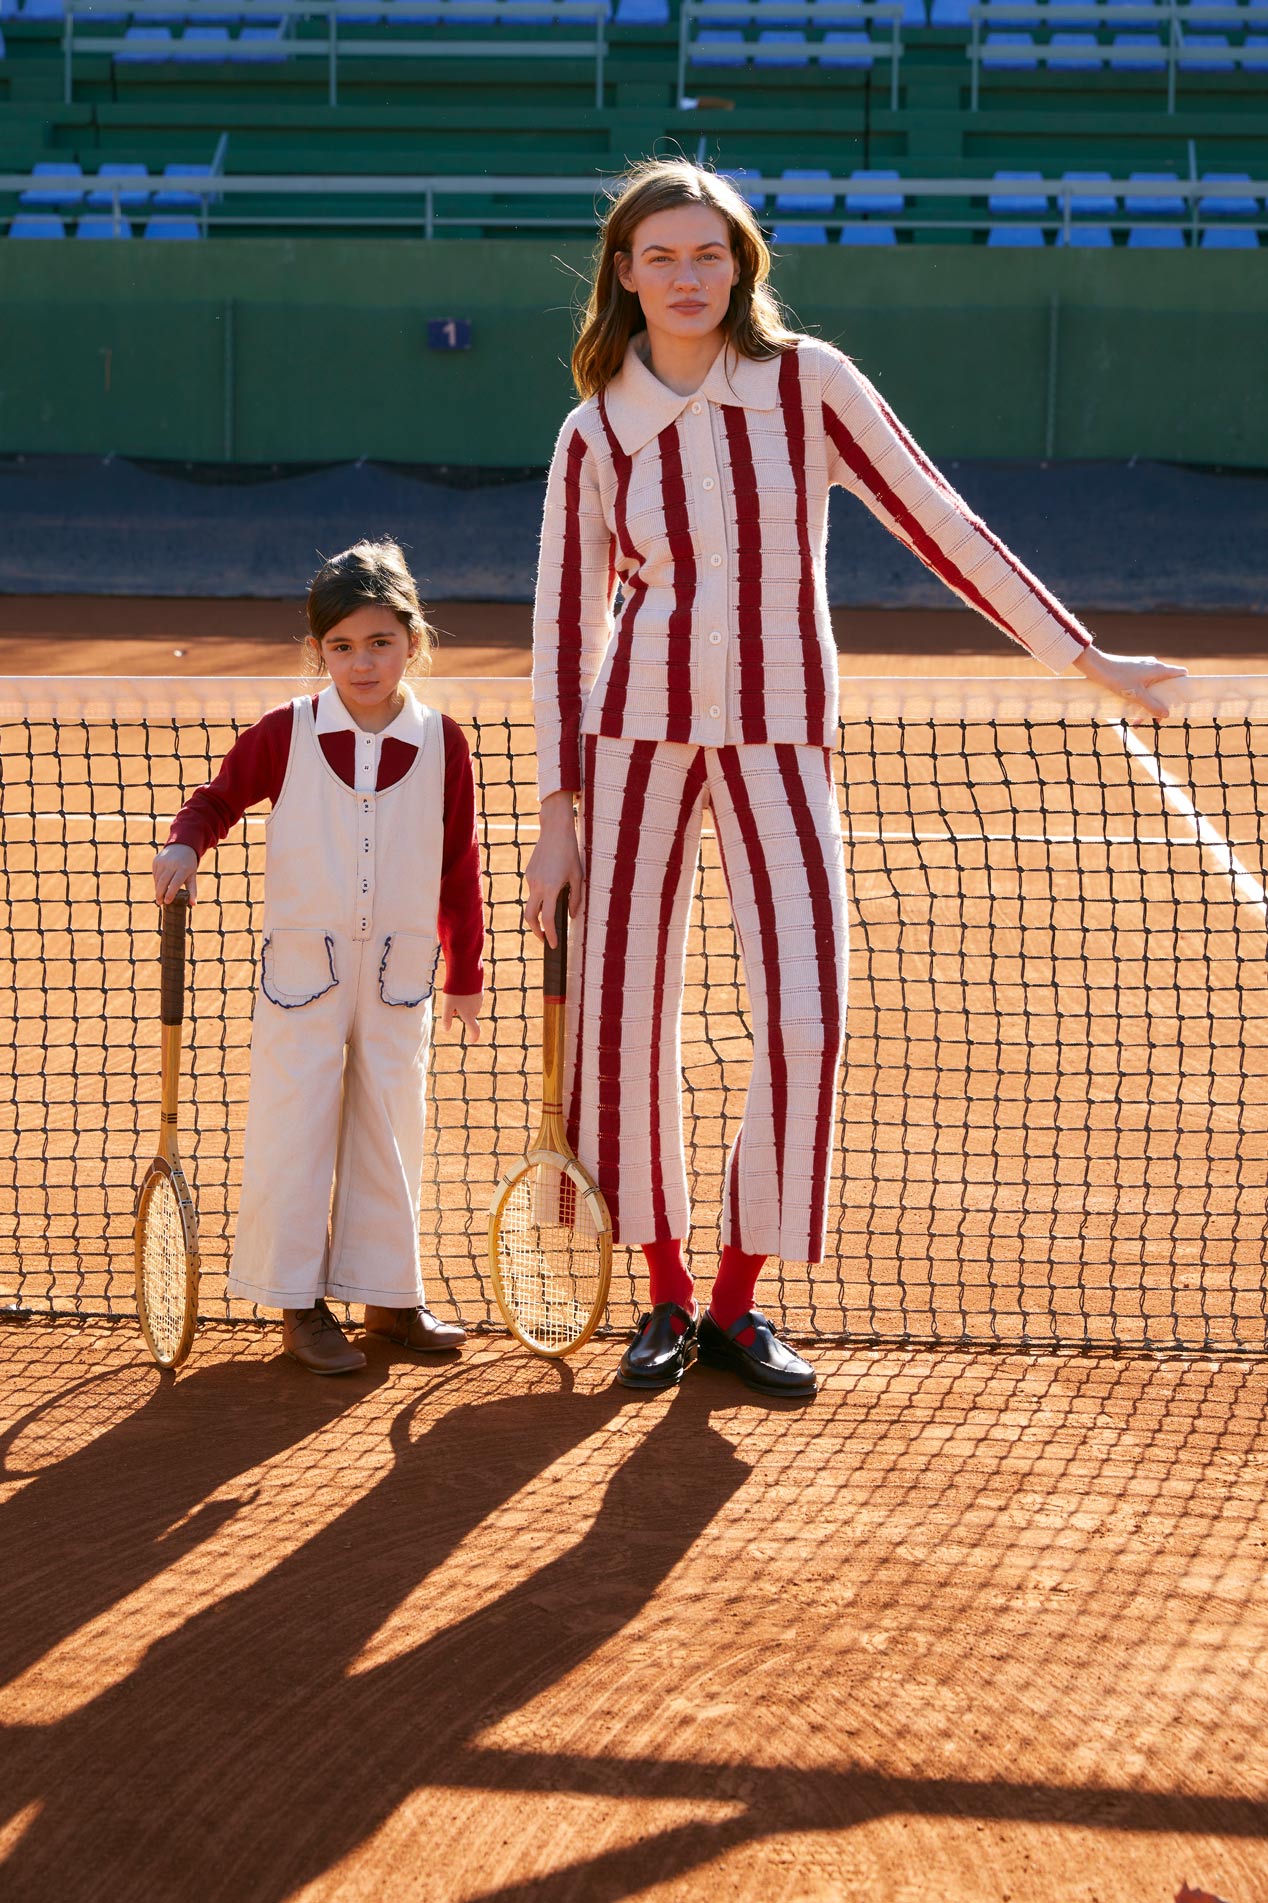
(85, 634)
(983, 1629)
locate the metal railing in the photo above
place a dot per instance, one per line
(776, 13)
(1171, 53)
(287, 15)
(430, 216)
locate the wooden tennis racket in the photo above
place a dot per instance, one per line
(166, 1233)
(550, 1235)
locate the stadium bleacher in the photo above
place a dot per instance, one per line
(918, 114)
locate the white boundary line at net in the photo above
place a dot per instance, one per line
(1003, 701)
(1208, 838)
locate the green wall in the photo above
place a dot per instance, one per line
(314, 349)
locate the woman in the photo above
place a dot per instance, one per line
(695, 473)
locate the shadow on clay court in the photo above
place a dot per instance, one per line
(253, 1746)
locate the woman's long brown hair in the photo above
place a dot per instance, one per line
(754, 323)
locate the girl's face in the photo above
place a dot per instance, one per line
(366, 654)
(682, 270)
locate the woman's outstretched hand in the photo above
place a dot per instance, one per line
(556, 862)
(1135, 679)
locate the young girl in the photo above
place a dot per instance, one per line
(372, 860)
(696, 473)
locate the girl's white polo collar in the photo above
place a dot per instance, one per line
(333, 717)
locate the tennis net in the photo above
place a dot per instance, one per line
(1054, 1109)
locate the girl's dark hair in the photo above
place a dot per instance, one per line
(369, 574)
(754, 323)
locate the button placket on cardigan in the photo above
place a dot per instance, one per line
(366, 780)
(710, 620)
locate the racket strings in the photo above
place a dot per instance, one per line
(550, 1256)
(163, 1287)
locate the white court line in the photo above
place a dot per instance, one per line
(1208, 838)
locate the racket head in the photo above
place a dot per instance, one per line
(165, 1242)
(550, 1253)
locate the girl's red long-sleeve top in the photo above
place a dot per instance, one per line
(255, 767)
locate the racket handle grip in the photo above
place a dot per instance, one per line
(172, 959)
(555, 957)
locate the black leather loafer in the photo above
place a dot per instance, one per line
(766, 1363)
(659, 1355)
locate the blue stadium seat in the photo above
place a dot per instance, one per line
(799, 234)
(880, 204)
(804, 201)
(36, 224)
(1088, 238)
(173, 228)
(726, 13)
(1137, 53)
(202, 42)
(1205, 43)
(1078, 52)
(781, 46)
(851, 50)
(1165, 205)
(102, 199)
(914, 13)
(41, 10)
(265, 42)
(99, 226)
(868, 234)
(144, 57)
(1023, 204)
(172, 197)
(739, 176)
(1230, 238)
(55, 195)
(1092, 204)
(1155, 238)
(719, 46)
(642, 12)
(2, 49)
(1226, 204)
(1023, 237)
(1010, 49)
(1255, 51)
(949, 12)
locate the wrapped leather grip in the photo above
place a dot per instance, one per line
(172, 960)
(555, 959)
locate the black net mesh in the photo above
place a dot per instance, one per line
(1054, 1109)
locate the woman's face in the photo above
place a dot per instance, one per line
(681, 268)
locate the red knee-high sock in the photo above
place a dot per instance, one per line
(669, 1275)
(734, 1286)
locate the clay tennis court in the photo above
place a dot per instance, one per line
(974, 1625)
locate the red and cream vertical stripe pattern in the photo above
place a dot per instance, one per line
(776, 815)
(876, 458)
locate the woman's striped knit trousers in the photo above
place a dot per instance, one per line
(778, 826)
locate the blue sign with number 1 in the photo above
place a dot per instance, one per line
(449, 333)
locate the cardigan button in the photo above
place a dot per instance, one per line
(707, 483)
(714, 638)
(715, 561)
(715, 713)
(695, 409)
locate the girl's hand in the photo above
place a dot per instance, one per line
(465, 1006)
(1133, 679)
(556, 862)
(174, 867)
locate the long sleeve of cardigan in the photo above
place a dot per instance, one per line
(254, 770)
(874, 457)
(572, 617)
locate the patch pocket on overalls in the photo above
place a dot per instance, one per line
(407, 968)
(297, 966)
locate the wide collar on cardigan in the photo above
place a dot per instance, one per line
(639, 406)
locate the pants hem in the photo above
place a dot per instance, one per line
(376, 1297)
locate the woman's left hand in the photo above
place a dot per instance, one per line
(1134, 679)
